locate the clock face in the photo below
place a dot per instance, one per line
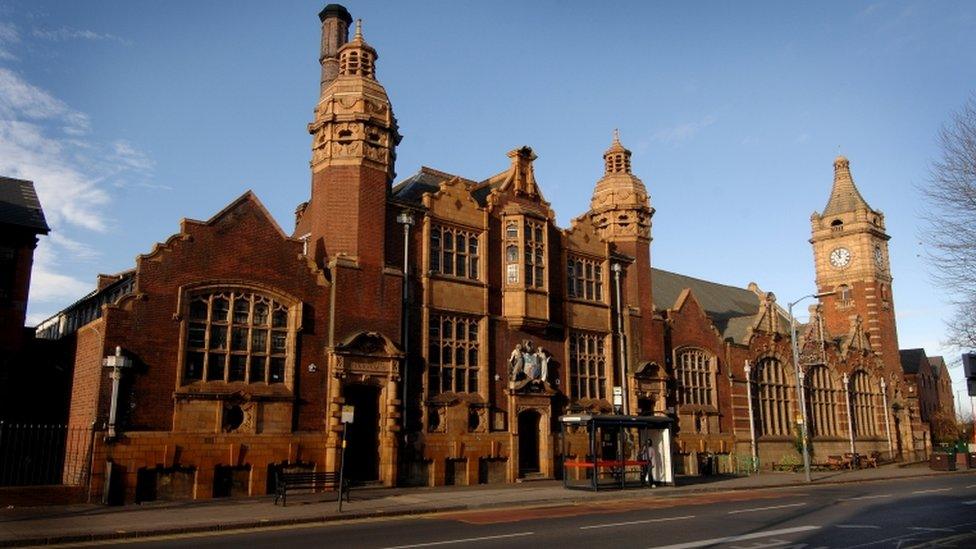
(878, 257)
(840, 257)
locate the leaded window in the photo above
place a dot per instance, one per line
(587, 365)
(584, 279)
(535, 251)
(774, 398)
(236, 336)
(452, 355)
(863, 405)
(454, 252)
(822, 402)
(695, 375)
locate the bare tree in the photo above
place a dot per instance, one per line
(950, 221)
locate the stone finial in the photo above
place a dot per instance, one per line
(359, 30)
(521, 175)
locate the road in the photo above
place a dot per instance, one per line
(920, 512)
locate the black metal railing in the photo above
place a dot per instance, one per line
(36, 454)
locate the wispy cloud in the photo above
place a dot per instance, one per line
(682, 132)
(8, 37)
(46, 141)
(64, 34)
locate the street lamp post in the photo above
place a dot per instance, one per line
(405, 218)
(620, 340)
(752, 419)
(884, 397)
(799, 383)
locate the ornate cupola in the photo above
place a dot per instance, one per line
(620, 206)
(354, 122)
(354, 139)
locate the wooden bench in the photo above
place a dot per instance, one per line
(871, 460)
(308, 481)
(836, 463)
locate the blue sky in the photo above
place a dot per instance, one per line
(132, 115)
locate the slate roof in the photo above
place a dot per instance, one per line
(910, 359)
(427, 180)
(731, 309)
(19, 205)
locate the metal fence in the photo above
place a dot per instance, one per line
(33, 454)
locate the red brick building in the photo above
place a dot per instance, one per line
(21, 223)
(460, 322)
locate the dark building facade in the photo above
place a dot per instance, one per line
(21, 223)
(460, 321)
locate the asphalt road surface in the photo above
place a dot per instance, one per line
(920, 512)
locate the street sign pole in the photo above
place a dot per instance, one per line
(346, 419)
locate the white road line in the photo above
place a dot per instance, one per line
(924, 529)
(730, 539)
(635, 522)
(867, 526)
(866, 497)
(931, 491)
(973, 502)
(767, 508)
(971, 486)
(466, 540)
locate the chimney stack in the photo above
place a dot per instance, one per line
(335, 32)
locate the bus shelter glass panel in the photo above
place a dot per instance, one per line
(605, 452)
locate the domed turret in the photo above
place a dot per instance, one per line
(620, 206)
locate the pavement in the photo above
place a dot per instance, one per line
(27, 526)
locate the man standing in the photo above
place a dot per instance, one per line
(647, 455)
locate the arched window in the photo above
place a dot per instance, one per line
(773, 396)
(822, 403)
(695, 374)
(863, 405)
(236, 335)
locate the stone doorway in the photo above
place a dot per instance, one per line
(528, 443)
(362, 435)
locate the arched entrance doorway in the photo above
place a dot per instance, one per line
(528, 441)
(362, 435)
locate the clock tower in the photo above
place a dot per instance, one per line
(850, 250)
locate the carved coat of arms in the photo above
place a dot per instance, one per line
(528, 366)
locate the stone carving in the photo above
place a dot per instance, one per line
(528, 367)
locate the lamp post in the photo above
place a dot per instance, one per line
(405, 218)
(117, 363)
(850, 420)
(799, 383)
(752, 418)
(884, 397)
(620, 340)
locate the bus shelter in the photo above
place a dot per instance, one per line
(614, 451)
